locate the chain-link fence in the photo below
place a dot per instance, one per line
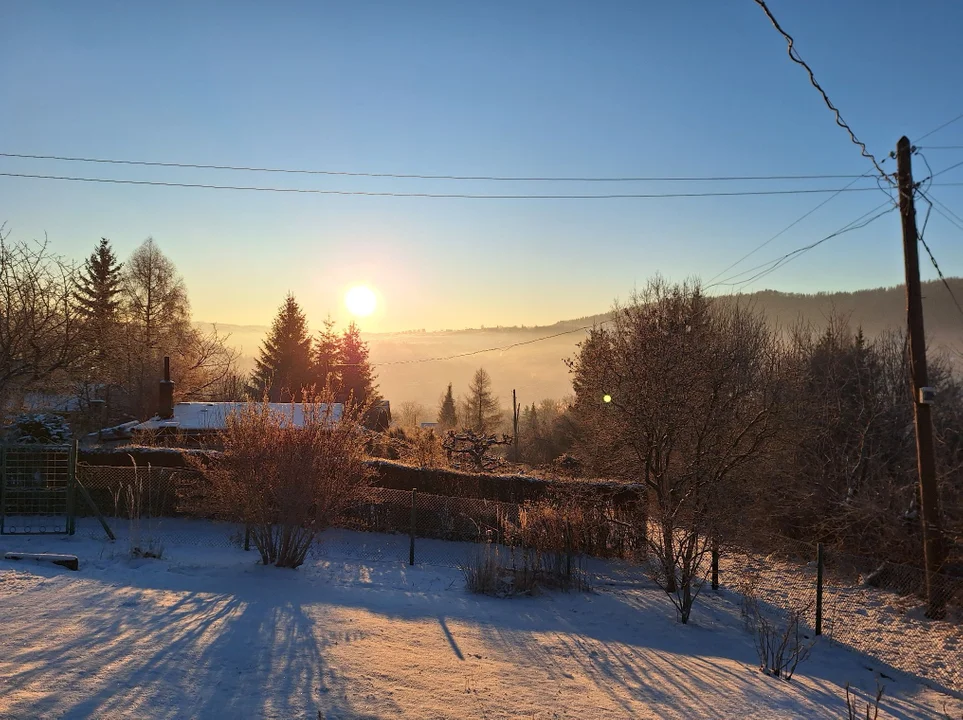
(876, 608)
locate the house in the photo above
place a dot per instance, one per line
(192, 424)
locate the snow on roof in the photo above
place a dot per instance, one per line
(38, 402)
(213, 416)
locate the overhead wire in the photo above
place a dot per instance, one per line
(786, 229)
(471, 353)
(469, 196)
(416, 176)
(940, 127)
(921, 236)
(773, 265)
(796, 58)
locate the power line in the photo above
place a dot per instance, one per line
(936, 265)
(947, 210)
(941, 147)
(795, 57)
(937, 129)
(488, 350)
(467, 196)
(410, 176)
(773, 265)
(784, 230)
(946, 170)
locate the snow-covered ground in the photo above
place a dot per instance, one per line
(206, 632)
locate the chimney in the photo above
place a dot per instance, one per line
(166, 402)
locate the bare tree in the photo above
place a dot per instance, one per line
(157, 316)
(678, 394)
(410, 414)
(39, 323)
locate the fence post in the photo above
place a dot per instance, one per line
(819, 588)
(568, 551)
(411, 546)
(715, 564)
(71, 482)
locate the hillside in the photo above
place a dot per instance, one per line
(537, 369)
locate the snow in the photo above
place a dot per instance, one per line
(213, 416)
(207, 632)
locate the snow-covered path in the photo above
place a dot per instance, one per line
(208, 633)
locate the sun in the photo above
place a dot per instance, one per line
(360, 300)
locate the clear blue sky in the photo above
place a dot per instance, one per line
(507, 88)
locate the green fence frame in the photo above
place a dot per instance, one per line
(57, 501)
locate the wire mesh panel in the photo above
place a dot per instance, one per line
(36, 486)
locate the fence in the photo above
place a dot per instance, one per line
(872, 607)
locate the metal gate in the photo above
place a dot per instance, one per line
(37, 489)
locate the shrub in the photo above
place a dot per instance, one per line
(781, 642)
(40, 429)
(288, 483)
(484, 574)
(423, 448)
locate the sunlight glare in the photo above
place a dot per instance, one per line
(360, 300)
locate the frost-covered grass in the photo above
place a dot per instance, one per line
(206, 632)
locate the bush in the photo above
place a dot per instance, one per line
(484, 574)
(422, 448)
(287, 483)
(781, 642)
(39, 429)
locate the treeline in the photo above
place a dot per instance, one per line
(545, 430)
(746, 435)
(98, 331)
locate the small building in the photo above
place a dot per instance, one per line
(190, 424)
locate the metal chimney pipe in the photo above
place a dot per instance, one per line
(165, 405)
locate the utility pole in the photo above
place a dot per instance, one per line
(934, 548)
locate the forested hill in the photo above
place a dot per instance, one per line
(537, 370)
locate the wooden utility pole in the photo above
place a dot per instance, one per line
(934, 548)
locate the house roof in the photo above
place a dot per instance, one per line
(213, 416)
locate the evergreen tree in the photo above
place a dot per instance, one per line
(447, 415)
(482, 413)
(327, 358)
(283, 369)
(357, 377)
(97, 294)
(97, 297)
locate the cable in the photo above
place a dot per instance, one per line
(794, 56)
(942, 147)
(467, 196)
(773, 265)
(947, 210)
(784, 230)
(406, 176)
(929, 252)
(945, 170)
(486, 350)
(937, 129)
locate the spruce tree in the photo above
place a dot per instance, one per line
(447, 415)
(327, 358)
(97, 293)
(283, 369)
(357, 377)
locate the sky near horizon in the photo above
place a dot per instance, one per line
(510, 89)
